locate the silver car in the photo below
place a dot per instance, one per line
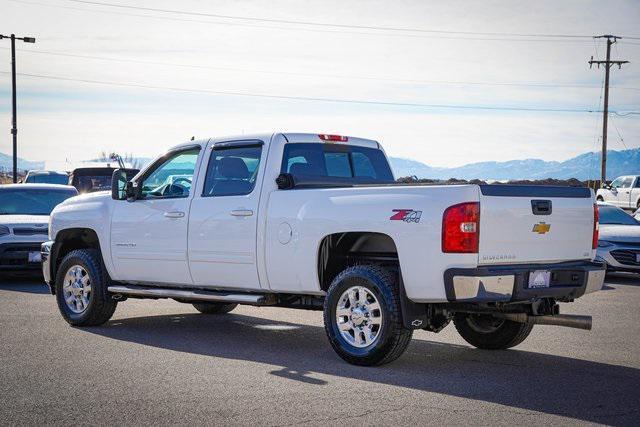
(24, 219)
(619, 242)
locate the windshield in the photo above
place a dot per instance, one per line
(50, 178)
(91, 183)
(615, 216)
(31, 201)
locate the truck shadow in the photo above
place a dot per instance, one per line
(564, 386)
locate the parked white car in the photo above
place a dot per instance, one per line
(623, 192)
(619, 242)
(24, 219)
(317, 222)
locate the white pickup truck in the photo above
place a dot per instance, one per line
(623, 192)
(316, 222)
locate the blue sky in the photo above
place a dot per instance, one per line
(61, 119)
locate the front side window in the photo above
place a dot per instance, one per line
(336, 161)
(172, 177)
(616, 183)
(626, 183)
(232, 171)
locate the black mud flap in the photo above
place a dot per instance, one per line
(414, 316)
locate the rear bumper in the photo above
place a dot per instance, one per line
(15, 256)
(509, 283)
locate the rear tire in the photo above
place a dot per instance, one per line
(362, 316)
(81, 289)
(214, 307)
(490, 333)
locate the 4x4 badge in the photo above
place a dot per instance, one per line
(406, 215)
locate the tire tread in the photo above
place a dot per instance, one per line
(400, 338)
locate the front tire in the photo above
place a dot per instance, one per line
(214, 307)
(490, 333)
(81, 289)
(362, 316)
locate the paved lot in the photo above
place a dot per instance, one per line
(161, 362)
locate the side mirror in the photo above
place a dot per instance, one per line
(285, 181)
(121, 187)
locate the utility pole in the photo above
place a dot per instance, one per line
(605, 112)
(14, 118)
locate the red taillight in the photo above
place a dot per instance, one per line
(339, 138)
(461, 228)
(596, 227)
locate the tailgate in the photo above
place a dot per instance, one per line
(521, 224)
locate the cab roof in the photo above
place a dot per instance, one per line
(290, 137)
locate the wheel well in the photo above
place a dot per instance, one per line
(600, 198)
(340, 250)
(71, 239)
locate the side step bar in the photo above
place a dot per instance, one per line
(119, 291)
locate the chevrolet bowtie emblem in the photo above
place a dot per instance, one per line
(541, 228)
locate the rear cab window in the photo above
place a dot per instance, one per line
(334, 161)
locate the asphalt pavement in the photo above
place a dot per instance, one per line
(160, 362)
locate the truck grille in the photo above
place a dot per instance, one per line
(627, 257)
(30, 231)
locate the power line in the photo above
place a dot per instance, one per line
(311, 99)
(327, 75)
(630, 113)
(325, 24)
(400, 33)
(619, 134)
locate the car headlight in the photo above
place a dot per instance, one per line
(4, 230)
(604, 244)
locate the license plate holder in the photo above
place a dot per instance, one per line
(539, 279)
(35, 257)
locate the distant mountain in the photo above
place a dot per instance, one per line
(6, 163)
(583, 167)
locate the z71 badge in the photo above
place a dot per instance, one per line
(406, 215)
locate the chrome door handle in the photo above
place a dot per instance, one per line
(242, 212)
(174, 214)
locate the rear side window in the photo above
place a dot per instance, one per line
(336, 161)
(232, 171)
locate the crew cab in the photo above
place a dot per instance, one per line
(317, 222)
(623, 192)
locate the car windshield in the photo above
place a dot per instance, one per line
(16, 201)
(48, 178)
(612, 215)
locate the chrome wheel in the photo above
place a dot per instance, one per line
(77, 289)
(359, 317)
